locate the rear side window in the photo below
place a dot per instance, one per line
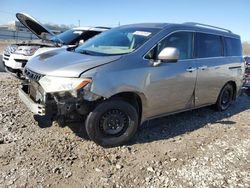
(232, 47)
(208, 45)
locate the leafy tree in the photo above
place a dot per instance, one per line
(246, 48)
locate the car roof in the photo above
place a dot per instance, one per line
(197, 27)
(91, 28)
(148, 25)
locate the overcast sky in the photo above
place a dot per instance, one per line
(230, 14)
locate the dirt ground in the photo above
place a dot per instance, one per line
(200, 148)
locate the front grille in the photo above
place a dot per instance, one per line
(32, 75)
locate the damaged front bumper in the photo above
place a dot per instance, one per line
(38, 109)
(56, 105)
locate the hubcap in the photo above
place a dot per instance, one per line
(114, 122)
(226, 99)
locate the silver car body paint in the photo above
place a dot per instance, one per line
(69, 64)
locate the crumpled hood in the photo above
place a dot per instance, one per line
(66, 64)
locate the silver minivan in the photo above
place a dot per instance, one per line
(133, 73)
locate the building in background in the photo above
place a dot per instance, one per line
(17, 31)
(17, 26)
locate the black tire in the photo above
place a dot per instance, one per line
(112, 123)
(225, 98)
(248, 92)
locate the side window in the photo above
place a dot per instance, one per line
(232, 47)
(85, 35)
(88, 34)
(208, 45)
(183, 41)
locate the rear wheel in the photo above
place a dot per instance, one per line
(225, 98)
(112, 123)
(248, 92)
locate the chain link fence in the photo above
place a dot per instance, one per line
(16, 35)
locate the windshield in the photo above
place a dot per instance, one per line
(68, 37)
(117, 41)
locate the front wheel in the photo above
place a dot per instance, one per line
(225, 98)
(112, 123)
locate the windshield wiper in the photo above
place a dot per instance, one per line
(87, 52)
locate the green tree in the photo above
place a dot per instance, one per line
(246, 48)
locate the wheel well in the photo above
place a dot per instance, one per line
(233, 84)
(132, 98)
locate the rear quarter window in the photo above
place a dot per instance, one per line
(232, 47)
(208, 45)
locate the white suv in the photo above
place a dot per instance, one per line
(17, 55)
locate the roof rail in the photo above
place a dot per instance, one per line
(207, 26)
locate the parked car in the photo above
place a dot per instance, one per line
(247, 60)
(134, 73)
(246, 85)
(17, 55)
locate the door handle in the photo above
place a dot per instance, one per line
(191, 69)
(203, 67)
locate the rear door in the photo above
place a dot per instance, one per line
(211, 68)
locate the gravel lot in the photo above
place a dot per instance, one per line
(201, 148)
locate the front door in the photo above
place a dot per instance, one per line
(170, 86)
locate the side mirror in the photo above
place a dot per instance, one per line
(168, 54)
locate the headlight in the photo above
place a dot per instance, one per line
(27, 50)
(52, 84)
